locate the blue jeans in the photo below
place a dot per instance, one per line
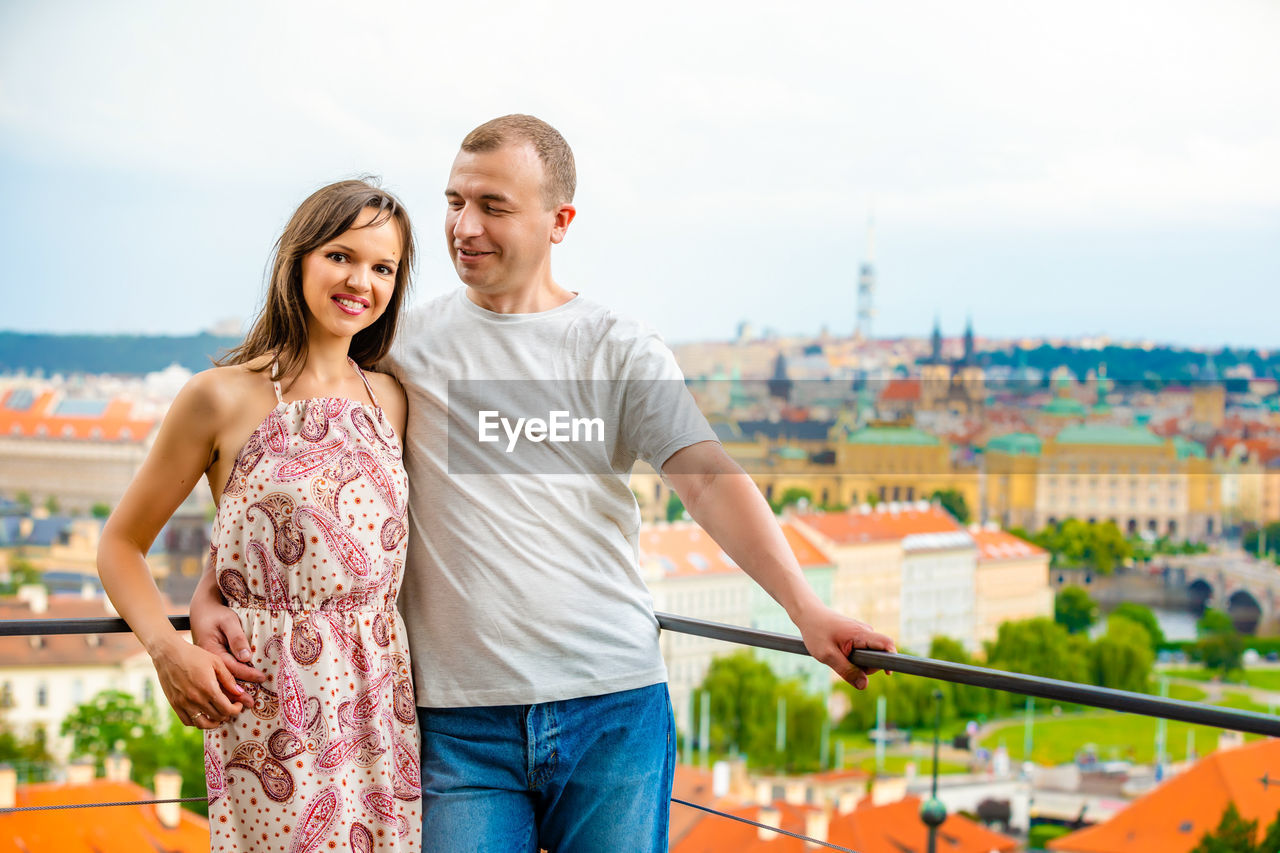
(591, 774)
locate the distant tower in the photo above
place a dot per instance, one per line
(935, 343)
(780, 383)
(968, 343)
(867, 286)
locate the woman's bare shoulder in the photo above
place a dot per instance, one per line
(392, 399)
(221, 390)
(384, 384)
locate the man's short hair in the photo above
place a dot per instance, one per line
(560, 176)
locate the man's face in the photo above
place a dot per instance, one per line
(498, 228)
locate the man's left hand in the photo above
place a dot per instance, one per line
(831, 638)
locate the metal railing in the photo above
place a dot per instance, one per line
(1028, 685)
(1010, 682)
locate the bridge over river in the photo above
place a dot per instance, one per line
(1247, 588)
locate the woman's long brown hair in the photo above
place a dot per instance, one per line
(280, 329)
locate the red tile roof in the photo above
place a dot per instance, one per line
(1236, 424)
(901, 390)
(880, 524)
(685, 549)
(897, 828)
(714, 834)
(1173, 817)
(892, 828)
(998, 545)
(118, 829)
(693, 786)
(1265, 448)
(41, 420)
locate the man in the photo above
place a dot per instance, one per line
(542, 696)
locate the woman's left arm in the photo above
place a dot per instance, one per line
(196, 683)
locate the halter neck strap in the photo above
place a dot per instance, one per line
(275, 384)
(367, 386)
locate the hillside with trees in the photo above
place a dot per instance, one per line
(117, 354)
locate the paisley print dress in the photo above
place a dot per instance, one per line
(308, 545)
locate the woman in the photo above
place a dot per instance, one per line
(308, 546)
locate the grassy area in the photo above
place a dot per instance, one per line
(1187, 693)
(1188, 674)
(859, 751)
(1267, 679)
(1264, 679)
(1115, 735)
(895, 765)
(1242, 702)
(1056, 740)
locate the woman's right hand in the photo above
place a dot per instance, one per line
(196, 683)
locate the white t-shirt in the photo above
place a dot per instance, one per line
(523, 583)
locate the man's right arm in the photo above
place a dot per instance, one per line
(216, 629)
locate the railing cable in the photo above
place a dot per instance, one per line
(102, 805)
(759, 825)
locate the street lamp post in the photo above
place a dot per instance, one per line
(933, 812)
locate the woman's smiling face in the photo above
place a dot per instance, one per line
(348, 281)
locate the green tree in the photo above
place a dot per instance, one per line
(1271, 841)
(1039, 647)
(1107, 547)
(1220, 646)
(742, 692)
(1255, 539)
(1121, 659)
(1042, 833)
(792, 496)
(1220, 651)
(1140, 615)
(51, 504)
(21, 573)
(112, 718)
(177, 746)
(953, 501)
(23, 500)
(805, 715)
(1233, 835)
(1213, 622)
(675, 508)
(744, 714)
(1078, 544)
(100, 510)
(861, 716)
(908, 704)
(963, 700)
(1074, 609)
(30, 753)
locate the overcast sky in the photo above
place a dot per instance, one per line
(1048, 168)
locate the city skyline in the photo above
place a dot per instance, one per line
(1059, 172)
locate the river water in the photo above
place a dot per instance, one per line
(1177, 625)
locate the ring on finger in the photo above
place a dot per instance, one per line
(198, 714)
